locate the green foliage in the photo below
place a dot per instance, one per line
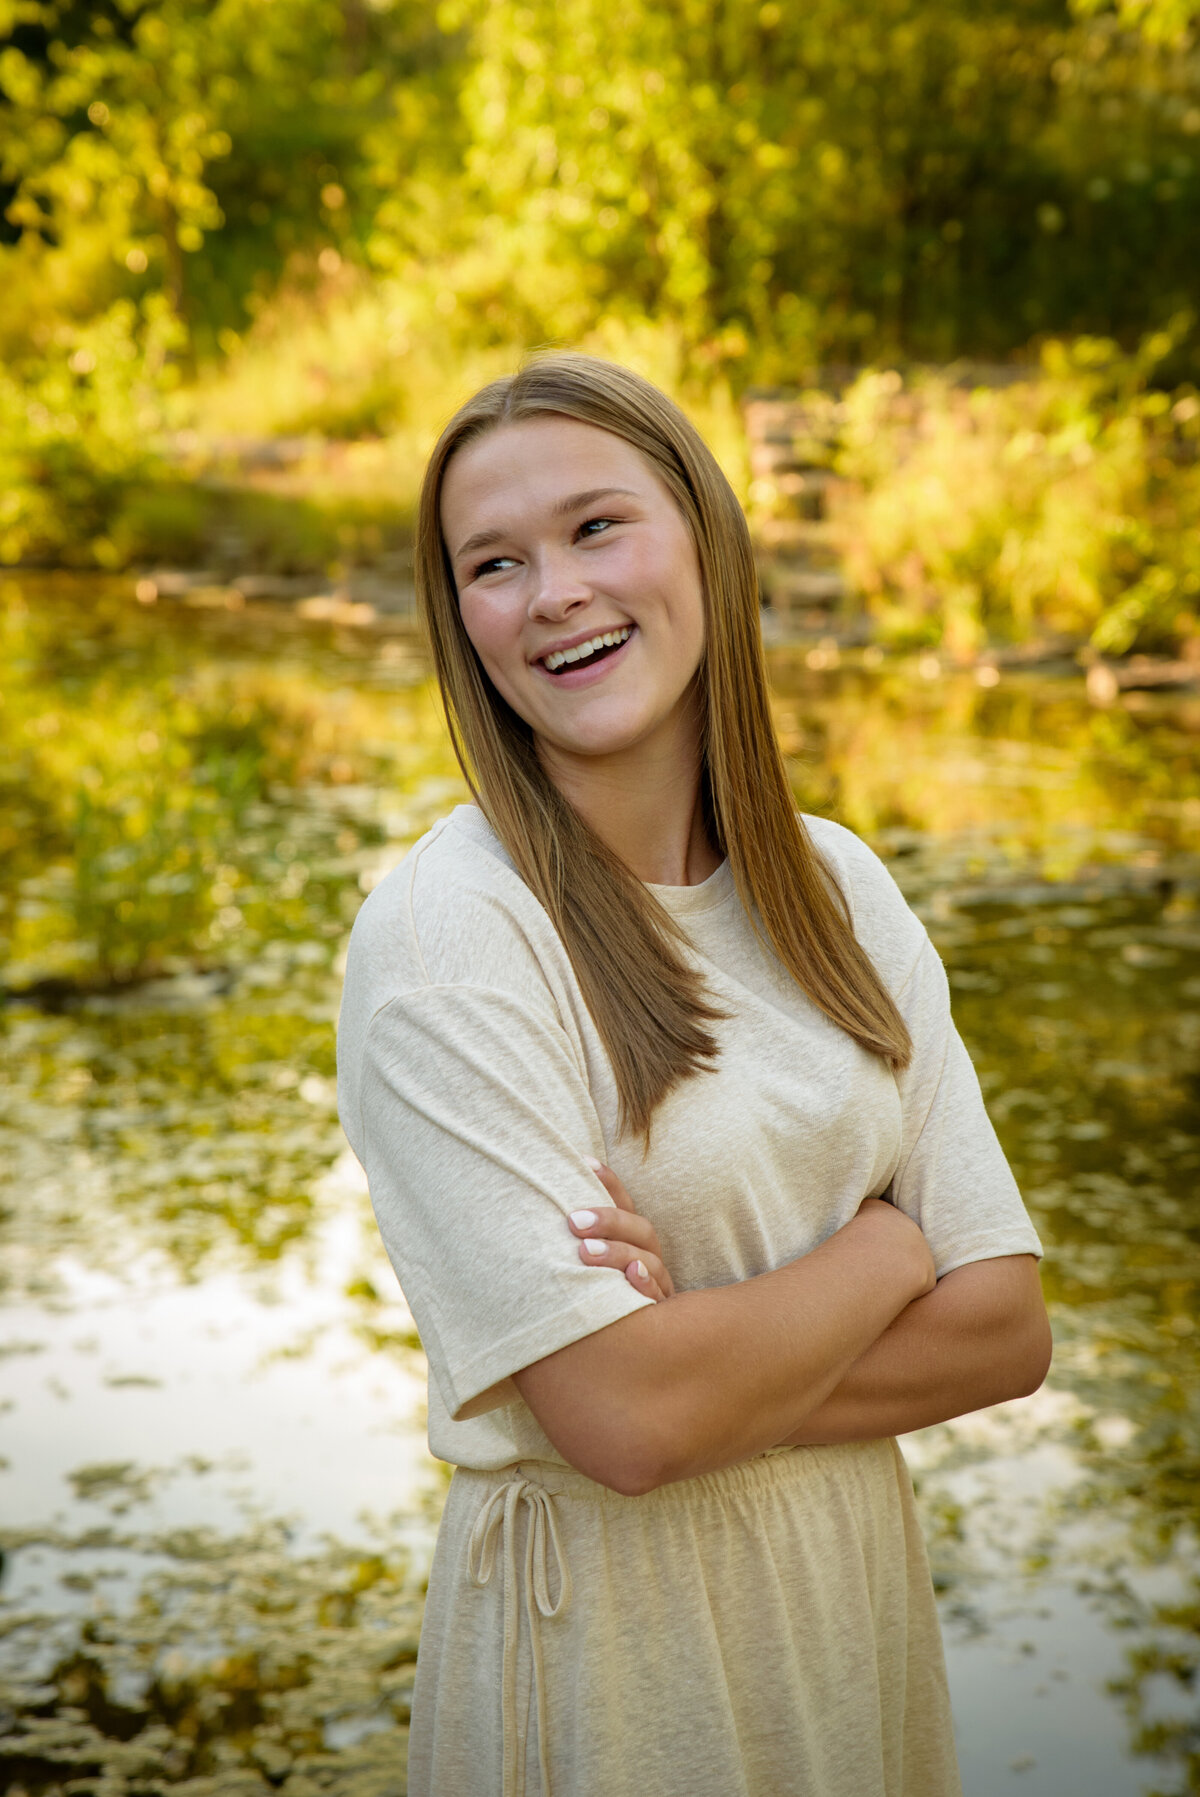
(794, 184)
(77, 423)
(191, 149)
(1064, 504)
(336, 216)
(1171, 22)
(378, 355)
(778, 183)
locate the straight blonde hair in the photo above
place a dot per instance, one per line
(629, 955)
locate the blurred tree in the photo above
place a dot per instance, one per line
(135, 136)
(1161, 21)
(114, 119)
(906, 179)
(776, 184)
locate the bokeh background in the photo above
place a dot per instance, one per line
(926, 272)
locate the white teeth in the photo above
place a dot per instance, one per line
(582, 651)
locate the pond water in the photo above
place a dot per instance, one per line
(216, 1498)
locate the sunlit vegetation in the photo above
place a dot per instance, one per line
(1063, 505)
(327, 218)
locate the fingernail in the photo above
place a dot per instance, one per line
(596, 1166)
(584, 1219)
(594, 1247)
(638, 1268)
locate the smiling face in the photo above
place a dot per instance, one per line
(579, 586)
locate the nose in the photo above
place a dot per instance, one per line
(559, 588)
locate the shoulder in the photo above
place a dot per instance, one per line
(453, 912)
(450, 956)
(890, 931)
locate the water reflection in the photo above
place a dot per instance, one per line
(217, 1500)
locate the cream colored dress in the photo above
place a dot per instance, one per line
(758, 1632)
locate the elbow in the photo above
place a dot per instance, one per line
(634, 1479)
(626, 1434)
(1041, 1354)
(1031, 1362)
(632, 1464)
(1012, 1328)
(624, 1447)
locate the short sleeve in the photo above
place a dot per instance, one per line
(474, 1123)
(952, 1177)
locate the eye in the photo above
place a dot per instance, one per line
(593, 527)
(490, 567)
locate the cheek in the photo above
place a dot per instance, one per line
(679, 578)
(495, 638)
(697, 622)
(689, 620)
(492, 633)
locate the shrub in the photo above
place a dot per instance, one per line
(1065, 503)
(79, 420)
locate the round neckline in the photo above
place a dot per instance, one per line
(687, 900)
(678, 900)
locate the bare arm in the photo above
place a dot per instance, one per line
(707, 1378)
(979, 1337)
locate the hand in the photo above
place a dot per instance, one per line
(879, 1213)
(624, 1239)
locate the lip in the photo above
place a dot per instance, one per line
(581, 636)
(573, 677)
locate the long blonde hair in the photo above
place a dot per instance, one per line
(649, 1005)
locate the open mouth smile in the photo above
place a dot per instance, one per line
(586, 655)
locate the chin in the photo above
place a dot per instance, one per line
(609, 739)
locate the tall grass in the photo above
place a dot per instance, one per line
(383, 364)
(1063, 504)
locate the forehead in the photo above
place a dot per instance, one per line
(520, 470)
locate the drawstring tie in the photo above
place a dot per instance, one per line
(495, 1523)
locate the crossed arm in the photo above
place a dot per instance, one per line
(851, 1342)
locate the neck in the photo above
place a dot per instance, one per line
(643, 802)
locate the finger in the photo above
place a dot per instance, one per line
(640, 1278)
(640, 1272)
(626, 1217)
(607, 1224)
(612, 1185)
(615, 1226)
(595, 1253)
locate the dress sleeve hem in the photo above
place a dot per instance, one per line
(489, 1374)
(994, 1248)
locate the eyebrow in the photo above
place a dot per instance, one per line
(574, 502)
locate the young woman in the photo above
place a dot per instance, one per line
(677, 1154)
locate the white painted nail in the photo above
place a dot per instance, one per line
(595, 1247)
(638, 1267)
(596, 1166)
(584, 1219)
